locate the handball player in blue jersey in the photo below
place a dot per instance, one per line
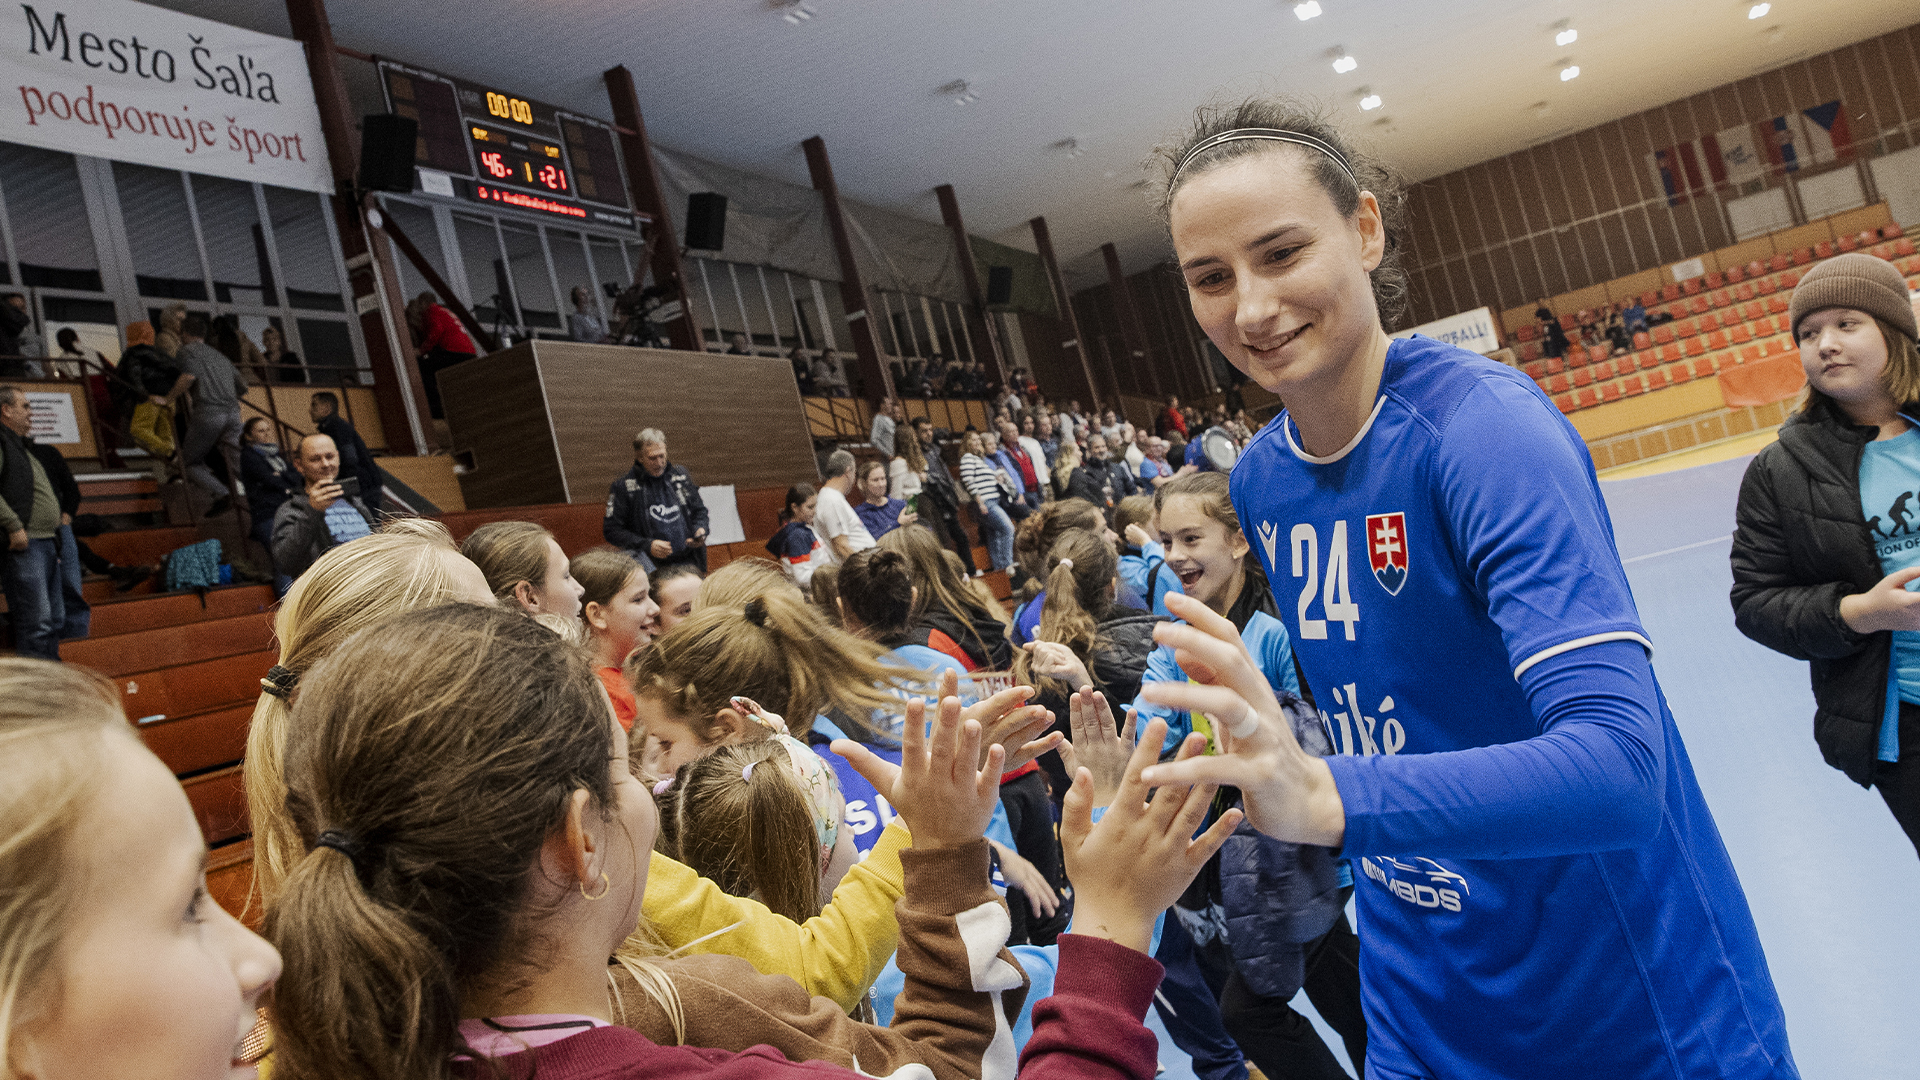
(1542, 891)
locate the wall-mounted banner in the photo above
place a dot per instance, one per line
(1471, 330)
(133, 82)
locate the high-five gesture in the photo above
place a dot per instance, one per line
(1096, 745)
(1006, 720)
(1289, 793)
(944, 787)
(1142, 855)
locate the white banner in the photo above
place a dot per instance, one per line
(52, 417)
(133, 82)
(1471, 330)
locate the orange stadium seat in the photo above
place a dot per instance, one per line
(1725, 360)
(1744, 292)
(1696, 346)
(1736, 274)
(1633, 384)
(1526, 332)
(1715, 280)
(1752, 353)
(1649, 298)
(1777, 304)
(1803, 256)
(1703, 367)
(1709, 322)
(1739, 335)
(1698, 305)
(1664, 333)
(1586, 397)
(1529, 350)
(1891, 232)
(1717, 339)
(1821, 250)
(1848, 243)
(1535, 369)
(1569, 321)
(1564, 403)
(1670, 291)
(1597, 353)
(1642, 340)
(1679, 373)
(1756, 268)
(1721, 298)
(1690, 286)
(1656, 380)
(1780, 262)
(1903, 245)
(1583, 376)
(1766, 285)
(1882, 250)
(1686, 328)
(1791, 278)
(1576, 357)
(1753, 310)
(1671, 352)
(1646, 361)
(1558, 384)
(1555, 365)
(1603, 370)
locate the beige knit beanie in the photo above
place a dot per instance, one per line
(1859, 281)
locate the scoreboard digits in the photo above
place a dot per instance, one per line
(509, 108)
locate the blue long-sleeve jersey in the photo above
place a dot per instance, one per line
(1545, 893)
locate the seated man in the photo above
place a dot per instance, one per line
(584, 324)
(312, 522)
(655, 511)
(878, 513)
(355, 459)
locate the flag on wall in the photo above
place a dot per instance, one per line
(1739, 156)
(1828, 137)
(1783, 140)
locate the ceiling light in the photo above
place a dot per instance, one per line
(1759, 11)
(1370, 102)
(1344, 63)
(1306, 10)
(1566, 37)
(797, 13)
(1570, 73)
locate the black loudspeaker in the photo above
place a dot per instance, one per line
(999, 284)
(706, 221)
(386, 152)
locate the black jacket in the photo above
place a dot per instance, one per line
(355, 459)
(300, 533)
(267, 486)
(1800, 544)
(983, 637)
(16, 475)
(642, 508)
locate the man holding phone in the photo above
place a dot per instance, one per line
(327, 514)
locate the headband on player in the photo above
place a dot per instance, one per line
(1270, 135)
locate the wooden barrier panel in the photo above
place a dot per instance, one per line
(202, 741)
(1600, 421)
(219, 801)
(146, 650)
(550, 422)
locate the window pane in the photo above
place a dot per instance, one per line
(570, 266)
(236, 246)
(486, 274)
(160, 231)
(306, 248)
(609, 263)
(49, 219)
(417, 223)
(327, 344)
(532, 289)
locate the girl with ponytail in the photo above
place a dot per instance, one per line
(620, 616)
(1036, 538)
(950, 601)
(476, 848)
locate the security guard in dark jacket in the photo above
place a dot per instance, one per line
(655, 511)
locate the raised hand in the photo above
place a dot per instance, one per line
(1289, 794)
(1054, 660)
(944, 798)
(1007, 720)
(1096, 746)
(1142, 855)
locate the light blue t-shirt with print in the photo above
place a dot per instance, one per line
(344, 523)
(1890, 499)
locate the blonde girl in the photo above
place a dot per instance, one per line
(114, 961)
(949, 601)
(525, 567)
(620, 617)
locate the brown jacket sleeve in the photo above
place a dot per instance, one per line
(952, 1019)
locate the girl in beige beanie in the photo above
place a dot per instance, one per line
(1828, 535)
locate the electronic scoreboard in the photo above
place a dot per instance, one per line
(483, 145)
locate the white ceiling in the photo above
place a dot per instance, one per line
(731, 80)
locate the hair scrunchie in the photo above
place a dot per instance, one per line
(280, 682)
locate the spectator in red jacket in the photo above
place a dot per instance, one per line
(439, 341)
(1172, 420)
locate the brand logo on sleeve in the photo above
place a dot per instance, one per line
(1387, 550)
(1441, 888)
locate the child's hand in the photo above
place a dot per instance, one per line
(1137, 536)
(1141, 856)
(1054, 660)
(1023, 875)
(1006, 720)
(944, 799)
(1289, 794)
(1096, 746)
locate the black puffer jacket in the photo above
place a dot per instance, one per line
(1801, 544)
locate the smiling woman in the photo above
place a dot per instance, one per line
(1502, 738)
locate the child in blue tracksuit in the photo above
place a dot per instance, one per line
(1143, 561)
